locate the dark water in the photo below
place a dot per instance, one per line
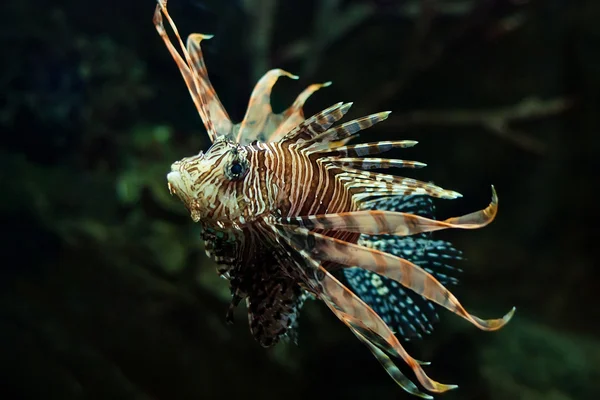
(105, 289)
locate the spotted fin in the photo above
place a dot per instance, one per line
(273, 307)
(324, 248)
(363, 321)
(409, 314)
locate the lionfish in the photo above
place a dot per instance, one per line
(290, 211)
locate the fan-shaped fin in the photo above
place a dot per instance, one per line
(348, 129)
(259, 120)
(361, 319)
(374, 163)
(375, 222)
(355, 313)
(364, 185)
(260, 123)
(219, 117)
(411, 276)
(366, 149)
(294, 115)
(195, 76)
(407, 313)
(318, 123)
(389, 366)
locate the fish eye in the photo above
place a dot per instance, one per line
(236, 170)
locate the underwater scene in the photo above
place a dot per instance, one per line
(268, 199)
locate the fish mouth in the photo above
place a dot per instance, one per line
(177, 186)
(174, 182)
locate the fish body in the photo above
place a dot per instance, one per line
(237, 214)
(289, 211)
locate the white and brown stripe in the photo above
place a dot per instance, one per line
(296, 205)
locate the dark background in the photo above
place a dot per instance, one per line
(105, 292)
